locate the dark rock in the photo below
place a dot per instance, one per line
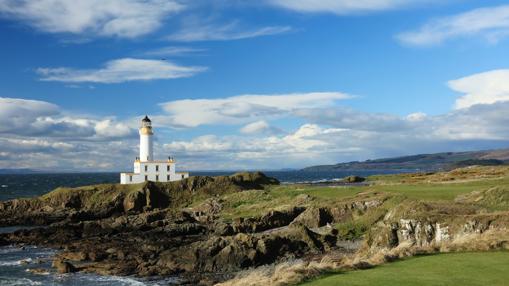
(354, 179)
(314, 217)
(63, 266)
(271, 220)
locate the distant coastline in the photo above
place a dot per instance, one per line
(424, 162)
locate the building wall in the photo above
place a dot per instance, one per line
(152, 171)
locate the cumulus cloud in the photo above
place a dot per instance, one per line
(491, 23)
(23, 117)
(305, 145)
(197, 31)
(342, 7)
(16, 113)
(39, 134)
(243, 108)
(479, 127)
(482, 88)
(118, 18)
(120, 70)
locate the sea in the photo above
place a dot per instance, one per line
(17, 264)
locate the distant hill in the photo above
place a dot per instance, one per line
(430, 162)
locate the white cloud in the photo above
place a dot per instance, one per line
(174, 51)
(16, 113)
(201, 144)
(121, 70)
(108, 128)
(305, 145)
(34, 118)
(475, 128)
(255, 127)
(483, 88)
(492, 23)
(119, 18)
(329, 133)
(416, 116)
(197, 31)
(38, 144)
(39, 134)
(344, 117)
(342, 7)
(243, 108)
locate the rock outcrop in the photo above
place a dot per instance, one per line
(157, 229)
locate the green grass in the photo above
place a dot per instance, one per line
(252, 203)
(428, 188)
(465, 269)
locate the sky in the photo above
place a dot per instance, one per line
(233, 84)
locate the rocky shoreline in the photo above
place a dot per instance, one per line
(182, 229)
(151, 230)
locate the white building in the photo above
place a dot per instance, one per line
(145, 167)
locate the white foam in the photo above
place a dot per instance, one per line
(116, 280)
(9, 281)
(15, 262)
(126, 280)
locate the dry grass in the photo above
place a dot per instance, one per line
(291, 273)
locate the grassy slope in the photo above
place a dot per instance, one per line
(420, 187)
(466, 269)
(472, 190)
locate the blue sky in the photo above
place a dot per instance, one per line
(263, 85)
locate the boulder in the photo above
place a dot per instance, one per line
(270, 220)
(354, 179)
(314, 217)
(63, 266)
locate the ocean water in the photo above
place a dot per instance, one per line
(17, 267)
(16, 263)
(14, 186)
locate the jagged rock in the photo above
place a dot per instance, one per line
(63, 266)
(75, 256)
(314, 217)
(135, 201)
(271, 220)
(102, 201)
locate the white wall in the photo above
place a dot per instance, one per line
(152, 171)
(146, 148)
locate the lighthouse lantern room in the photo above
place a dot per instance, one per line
(145, 167)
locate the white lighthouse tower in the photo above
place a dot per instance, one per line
(145, 167)
(146, 144)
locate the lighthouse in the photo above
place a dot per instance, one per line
(146, 144)
(145, 167)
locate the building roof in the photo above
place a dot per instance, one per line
(146, 119)
(154, 161)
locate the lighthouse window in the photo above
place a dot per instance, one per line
(146, 178)
(157, 168)
(182, 176)
(168, 168)
(146, 168)
(157, 178)
(130, 178)
(167, 177)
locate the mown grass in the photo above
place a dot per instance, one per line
(440, 191)
(466, 269)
